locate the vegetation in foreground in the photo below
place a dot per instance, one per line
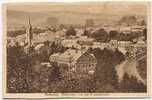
(34, 78)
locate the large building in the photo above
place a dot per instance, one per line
(76, 61)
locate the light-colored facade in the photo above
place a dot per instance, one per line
(114, 43)
(77, 61)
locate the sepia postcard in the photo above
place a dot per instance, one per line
(76, 50)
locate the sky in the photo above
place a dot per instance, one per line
(96, 7)
(73, 13)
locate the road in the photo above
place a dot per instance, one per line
(129, 66)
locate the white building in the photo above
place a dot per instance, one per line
(76, 60)
(125, 30)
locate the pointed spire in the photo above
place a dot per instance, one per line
(29, 32)
(29, 21)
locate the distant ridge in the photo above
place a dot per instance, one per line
(19, 18)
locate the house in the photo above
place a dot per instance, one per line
(131, 52)
(124, 43)
(114, 43)
(38, 47)
(76, 61)
(84, 40)
(43, 50)
(137, 29)
(70, 43)
(125, 30)
(79, 32)
(48, 36)
(141, 43)
(96, 45)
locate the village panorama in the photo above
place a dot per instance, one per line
(79, 55)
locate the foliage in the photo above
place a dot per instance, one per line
(131, 84)
(37, 30)
(16, 33)
(16, 67)
(113, 34)
(86, 33)
(62, 26)
(71, 31)
(100, 35)
(34, 77)
(118, 57)
(142, 22)
(105, 70)
(145, 33)
(129, 20)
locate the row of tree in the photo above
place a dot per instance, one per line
(102, 36)
(26, 74)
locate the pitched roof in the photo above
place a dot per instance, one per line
(38, 46)
(42, 37)
(68, 55)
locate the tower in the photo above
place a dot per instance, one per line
(29, 33)
(29, 38)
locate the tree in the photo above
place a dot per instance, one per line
(16, 33)
(56, 74)
(145, 33)
(71, 31)
(105, 70)
(86, 33)
(37, 30)
(143, 23)
(62, 26)
(118, 57)
(120, 36)
(101, 35)
(131, 84)
(129, 20)
(113, 34)
(16, 70)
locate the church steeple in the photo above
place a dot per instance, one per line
(29, 33)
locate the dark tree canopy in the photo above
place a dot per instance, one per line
(129, 20)
(113, 34)
(131, 84)
(145, 33)
(71, 31)
(16, 33)
(105, 70)
(86, 33)
(101, 35)
(62, 26)
(143, 23)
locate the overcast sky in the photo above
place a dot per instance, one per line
(73, 13)
(102, 7)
